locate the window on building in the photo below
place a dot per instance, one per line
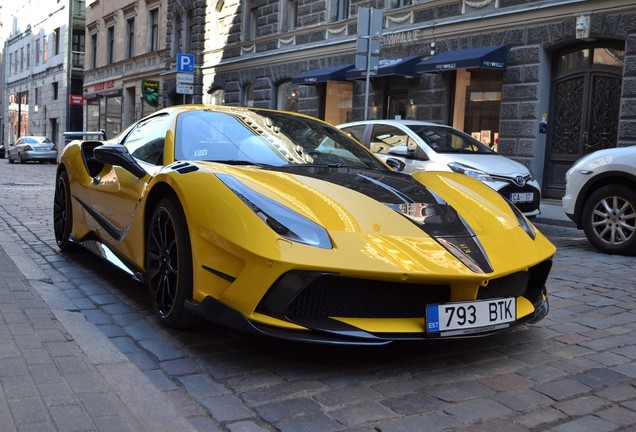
(287, 96)
(38, 96)
(130, 37)
(478, 104)
(38, 51)
(176, 34)
(93, 50)
(220, 18)
(394, 4)
(45, 54)
(28, 56)
(247, 95)
(187, 34)
(77, 48)
(250, 16)
(110, 45)
(154, 30)
(290, 14)
(342, 9)
(55, 90)
(21, 59)
(56, 41)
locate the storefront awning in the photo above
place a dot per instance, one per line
(404, 66)
(314, 76)
(492, 57)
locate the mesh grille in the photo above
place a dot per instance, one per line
(528, 284)
(355, 298)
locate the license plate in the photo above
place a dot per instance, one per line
(470, 317)
(519, 197)
(41, 148)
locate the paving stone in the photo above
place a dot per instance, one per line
(601, 377)
(310, 423)
(478, 409)
(562, 389)
(586, 424)
(227, 408)
(277, 411)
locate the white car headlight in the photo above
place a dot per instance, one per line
(470, 171)
(284, 221)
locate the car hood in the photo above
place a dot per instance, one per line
(457, 213)
(493, 164)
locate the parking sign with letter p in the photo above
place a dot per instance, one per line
(185, 62)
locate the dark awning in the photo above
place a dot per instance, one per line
(492, 57)
(332, 73)
(404, 66)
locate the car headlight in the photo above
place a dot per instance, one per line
(470, 171)
(284, 221)
(523, 222)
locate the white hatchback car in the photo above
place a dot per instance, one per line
(431, 146)
(600, 197)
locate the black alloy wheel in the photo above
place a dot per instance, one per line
(169, 264)
(609, 219)
(63, 214)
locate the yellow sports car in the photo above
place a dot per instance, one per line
(281, 224)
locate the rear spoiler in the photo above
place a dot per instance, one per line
(100, 134)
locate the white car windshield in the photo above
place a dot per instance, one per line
(447, 140)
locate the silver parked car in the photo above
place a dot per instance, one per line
(32, 148)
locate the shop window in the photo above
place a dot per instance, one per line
(338, 98)
(478, 104)
(287, 97)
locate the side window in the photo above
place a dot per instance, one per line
(357, 132)
(147, 139)
(385, 137)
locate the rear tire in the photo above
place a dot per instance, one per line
(63, 214)
(169, 264)
(609, 220)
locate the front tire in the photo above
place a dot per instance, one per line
(169, 264)
(63, 214)
(609, 220)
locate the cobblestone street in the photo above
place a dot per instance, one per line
(573, 371)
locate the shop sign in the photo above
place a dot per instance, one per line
(75, 99)
(150, 92)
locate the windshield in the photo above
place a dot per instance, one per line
(263, 137)
(448, 140)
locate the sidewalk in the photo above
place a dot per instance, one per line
(552, 214)
(58, 372)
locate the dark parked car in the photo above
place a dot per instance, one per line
(2, 151)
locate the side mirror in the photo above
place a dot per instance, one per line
(395, 164)
(116, 154)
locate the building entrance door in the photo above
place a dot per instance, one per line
(586, 90)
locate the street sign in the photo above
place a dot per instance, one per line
(185, 78)
(185, 89)
(185, 63)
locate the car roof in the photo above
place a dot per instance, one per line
(393, 122)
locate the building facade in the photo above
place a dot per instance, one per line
(544, 81)
(124, 62)
(42, 68)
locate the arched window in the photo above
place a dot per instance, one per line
(176, 36)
